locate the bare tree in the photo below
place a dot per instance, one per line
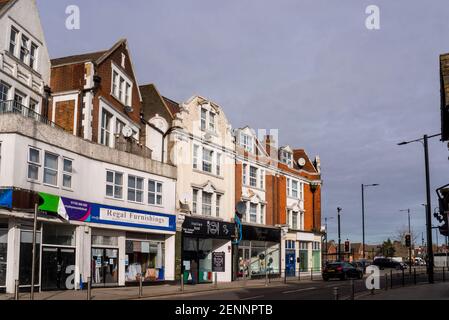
(402, 232)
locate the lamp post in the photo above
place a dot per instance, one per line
(339, 234)
(410, 233)
(363, 214)
(425, 142)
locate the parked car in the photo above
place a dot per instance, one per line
(342, 271)
(383, 263)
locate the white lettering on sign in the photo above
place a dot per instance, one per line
(133, 217)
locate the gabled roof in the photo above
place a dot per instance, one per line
(300, 153)
(5, 3)
(171, 105)
(154, 103)
(95, 57)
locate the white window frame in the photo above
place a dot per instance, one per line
(294, 225)
(203, 117)
(33, 58)
(24, 47)
(218, 202)
(295, 191)
(206, 207)
(253, 213)
(253, 177)
(34, 164)
(135, 189)
(287, 158)
(106, 131)
(246, 141)
(218, 164)
(67, 173)
(11, 42)
(56, 171)
(195, 200)
(208, 161)
(119, 91)
(289, 187)
(212, 121)
(156, 193)
(114, 184)
(196, 156)
(244, 174)
(262, 179)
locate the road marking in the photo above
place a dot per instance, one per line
(252, 298)
(299, 290)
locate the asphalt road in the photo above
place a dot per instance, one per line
(308, 290)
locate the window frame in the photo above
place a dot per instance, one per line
(114, 184)
(67, 173)
(218, 164)
(56, 171)
(33, 58)
(206, 207)
(119, 87)
(195, 193)
(244, 174)
(295, 191)
(11, 42)
(207, 162)
(38, 165)
(218, 204)
(135, 189)
(195, 156)
(156, 193)
(253, 174)
(253, 213)
(24, 48)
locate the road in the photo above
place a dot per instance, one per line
(307, 290)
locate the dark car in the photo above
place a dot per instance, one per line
(359, 266)
(384, 263)
(342, 271)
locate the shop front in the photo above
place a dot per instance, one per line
(258, 253)
(200, 239)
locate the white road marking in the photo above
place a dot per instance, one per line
(253, 298)
(299, 290)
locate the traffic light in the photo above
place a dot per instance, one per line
(347, 249)
(408, 240)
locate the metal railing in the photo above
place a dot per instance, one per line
(11, 106)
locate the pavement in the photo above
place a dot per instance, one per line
(437, 291)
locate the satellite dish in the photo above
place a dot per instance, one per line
(208, 137)
(241, 208)
(302, 162)
(127, 131)
(129, 109)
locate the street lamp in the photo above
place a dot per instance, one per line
(339, 234)
(410, 233)
(363, 214)
(425, 142)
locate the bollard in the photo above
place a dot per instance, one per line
(16, 290)
(299, 275)
(444, 275)
(182, 282)
(140, 286)
(336, 296)
(216, 280)
(414, 276)
(403, 277)
(266, 279)
(311, 274)
(352, 289)
(285, 276)
(89, 289)
(391, 279)
(386, 282)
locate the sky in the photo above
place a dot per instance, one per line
(308, 68)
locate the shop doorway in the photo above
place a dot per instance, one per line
(59, 270)
(304, 260)
(104, 266)
(290, 263)
(244, 263)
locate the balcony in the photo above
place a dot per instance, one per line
(11, 106)
(131, 145)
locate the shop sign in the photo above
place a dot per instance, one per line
(218, 261)
(261, 234)
(6, 198)
(208, 228)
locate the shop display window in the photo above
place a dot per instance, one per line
(61, 235)
(258, 258)
(26, 247)
(145, 258)
(3, 254)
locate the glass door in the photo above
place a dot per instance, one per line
(3, 255)
(104, 267)
(25, 258)
(59, 266)
(244, 262)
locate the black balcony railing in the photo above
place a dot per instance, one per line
(11, 106)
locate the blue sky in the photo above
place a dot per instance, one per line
(310, 68)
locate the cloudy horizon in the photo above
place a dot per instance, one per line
(311, 69)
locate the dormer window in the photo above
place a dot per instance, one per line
(287, 158)
(207, 120)
(246, 141)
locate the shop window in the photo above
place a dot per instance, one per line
(34, 162)
(114, 184)
(102, 240)
(154, 192)
(51, 169)
(61, 235)
(135, 189)
(25, 259)
(3, 254)
(146, 259)
(265, 257)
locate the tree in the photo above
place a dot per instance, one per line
(402, 232)
(388, 249)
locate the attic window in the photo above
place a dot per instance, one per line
(123, 60)
(287, 158)
(246, 141)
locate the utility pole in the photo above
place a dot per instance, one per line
(33, 259)
(339, 234)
